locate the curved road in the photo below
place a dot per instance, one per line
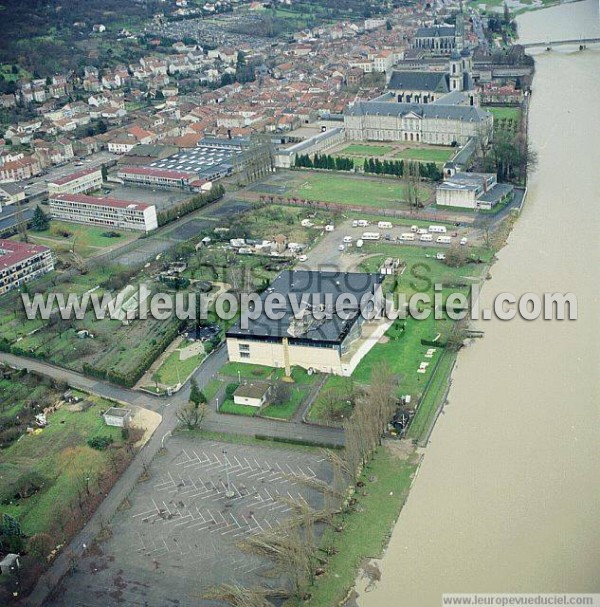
(167, 407)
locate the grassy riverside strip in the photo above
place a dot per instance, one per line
(365, 534)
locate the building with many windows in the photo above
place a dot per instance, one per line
(22, 262)
(118, 214)
(157, 178)
(80, 182)
(308, 329)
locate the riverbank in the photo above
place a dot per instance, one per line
(491, 501)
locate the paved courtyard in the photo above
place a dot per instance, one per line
(179, 533)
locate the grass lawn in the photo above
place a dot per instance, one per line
(357, 149)
(285, 410)
(211, 389)
(299, 375)
(365, 533)
(319, 410)
(425, 415)
(245, 370)
(87, 240)
(504, 112)
(441, 154)
(174, 371)
(345, 189)
(58, 454)
(228, 406)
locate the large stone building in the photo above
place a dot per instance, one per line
(437, 39)
(312, 337)
(438, 108)
(434, 123)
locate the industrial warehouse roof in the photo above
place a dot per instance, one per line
(435, 82)
(316, 288)
(466, 113)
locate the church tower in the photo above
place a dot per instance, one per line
(456, 72)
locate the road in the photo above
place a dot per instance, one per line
(215, 422)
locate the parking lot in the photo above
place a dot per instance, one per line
(327, 253)
(178, 534)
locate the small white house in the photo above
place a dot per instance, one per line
(253, 395)
(117, 416)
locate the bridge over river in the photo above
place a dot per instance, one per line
(582, 42)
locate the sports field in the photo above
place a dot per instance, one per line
(344, 189)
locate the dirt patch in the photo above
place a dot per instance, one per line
(402, 449)
(191, 350)
(146, 420)
(384, 339)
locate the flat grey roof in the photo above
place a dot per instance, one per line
(292, 285)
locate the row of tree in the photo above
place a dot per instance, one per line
(397, 168)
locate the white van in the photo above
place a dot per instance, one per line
(362, 223)
(355, 223)
(329, 227)
(371, 236)
(443, 240)
(426, 237)
(440, 256)
(385, 225)
(437, 229)
(406, 236)
(422, 231)
(463, 241)
(414, 228)
(348, 239)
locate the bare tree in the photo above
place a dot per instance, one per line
(191, 414)
(292, 552)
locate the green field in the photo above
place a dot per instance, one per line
(55, 459)
(287, 409)
(344, 189)
(84, 240)
(504, 113)
(441, 154)
(174, 370)
(357, 149)
(228, 406)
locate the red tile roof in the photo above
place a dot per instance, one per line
(13, 252)
(74, 176)
(101, 202)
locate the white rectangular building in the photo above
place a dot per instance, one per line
(119, 214)
(472, 191)
(22, 262)
(80, 182)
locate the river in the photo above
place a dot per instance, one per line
(507, 498)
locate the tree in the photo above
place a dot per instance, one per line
(191, 415)
(196, 395)
(40, 220)
(456, 256)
